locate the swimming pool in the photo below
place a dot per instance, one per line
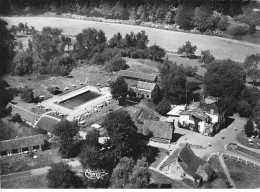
(78, 100)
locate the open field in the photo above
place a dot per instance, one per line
(243, 175)
(28, 182)
(169, 40)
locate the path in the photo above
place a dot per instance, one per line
(226, 171)
(162, 162)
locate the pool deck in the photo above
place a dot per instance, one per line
(81, 109)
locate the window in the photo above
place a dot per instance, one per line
(147, 96)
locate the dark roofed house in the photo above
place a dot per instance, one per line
(138, 76)
(47, 123)
(146, 90)
(162, 131)
(19, 145)
(193, 165)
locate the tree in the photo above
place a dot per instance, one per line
(169, 17)
(133, 14)
(16, 118)
(203, 18)
(142, 40)
(223, 23)
(116, 41)
(6, 47)
(173, 81)
(116, 64)
(124, 140)
(5, 95)
(67, 131)
(256, 113)
(119, 88)
(206, 57)
(140, 177)
(22, 63)
(244, 109)
(251, 64)
(249, 127)
(163, 107)
(120, 175)
(156, 52)
(60, 175)
(184, 16)
(90, 41)
(27, 95)
(250, 95)
(188, 49)
(224, 78)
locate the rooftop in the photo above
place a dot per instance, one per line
(160, 129)
(176, 110)
(146, 85)
(21, 142)
(136, 75)
(47, 122)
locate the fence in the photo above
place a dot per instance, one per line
(225, 155)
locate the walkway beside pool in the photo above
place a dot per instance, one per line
(53, 103)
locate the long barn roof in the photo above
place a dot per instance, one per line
(21, 142)
(136, 75)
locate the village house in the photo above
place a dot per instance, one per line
(21, 145)
(162, 131)
(138, 76)
(146, 90)
(205, 117)
(194, 166)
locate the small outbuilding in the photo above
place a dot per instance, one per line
(146, 90)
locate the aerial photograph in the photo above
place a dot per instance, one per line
(129, 94)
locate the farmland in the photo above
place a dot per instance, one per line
(170, 40)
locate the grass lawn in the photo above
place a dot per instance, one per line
(243, 151)
(160, 156)
(243, 139)
(220, 182)
(29, 182)
(170, 40)
(243, 175)
(20, 163)
(142, 65)
(161, 181)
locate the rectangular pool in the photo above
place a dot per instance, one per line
(78, 100)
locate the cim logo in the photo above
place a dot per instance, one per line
(95, 174)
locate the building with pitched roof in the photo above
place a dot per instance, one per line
(20, 145)
(47, 123)
(193, 165)
(162, 131)
(146, 90)
(205, 117)
(138, 76)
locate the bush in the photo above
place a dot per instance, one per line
(116, 64)
(16, 118)
(27, 95)
(237, 30)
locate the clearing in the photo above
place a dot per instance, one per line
(169, 40)
(244, 175)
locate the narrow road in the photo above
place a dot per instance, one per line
(226, 171)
